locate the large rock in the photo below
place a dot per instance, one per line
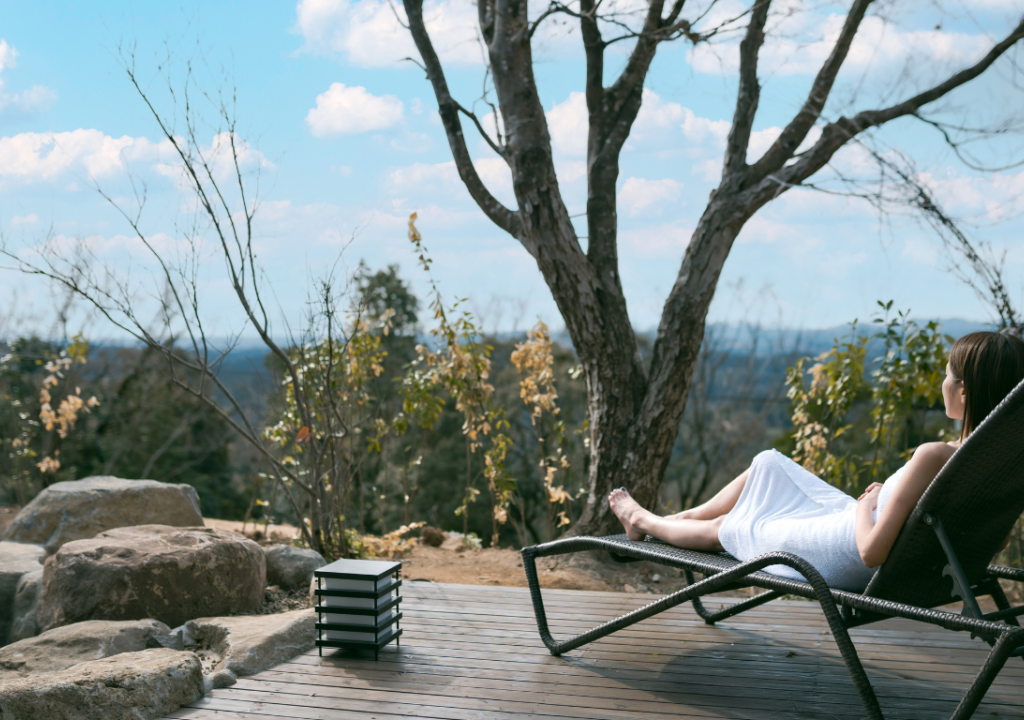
(62, 647)
(80, 509)
(233, 647)
(130, 686)
(152, 571)
(290, 567)
(26, 597)
(16, 559)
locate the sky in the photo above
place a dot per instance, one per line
(341, 142)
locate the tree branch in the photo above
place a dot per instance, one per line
(449, 111)
(749, 92)
(838, 133)
(483, 133)
(796, 131)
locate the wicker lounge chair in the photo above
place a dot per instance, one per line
(941, 554)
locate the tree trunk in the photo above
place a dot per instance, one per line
(632, 450)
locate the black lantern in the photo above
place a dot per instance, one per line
(358, 604)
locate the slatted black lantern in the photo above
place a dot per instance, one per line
(358, 604)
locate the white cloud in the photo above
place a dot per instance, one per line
(995, 197)
(412, 142)
(709, 170)
(497, 176)
(421, 175)
(569, 171)
(23, 220)
(444, 178)
(663, 242)
(567, 123)
(7, 55)
(804, 40)
(35, 99)
(35, 157)
(219, 155)
(368, 33)
(638, 194)
(344, 110)
(658, 120)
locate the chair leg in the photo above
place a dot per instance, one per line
(1007, 643)
(712, 617)
(842, 638)
(1002, 602)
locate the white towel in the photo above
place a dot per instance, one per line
(785, 508)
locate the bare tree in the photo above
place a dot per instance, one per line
(309, 452)
(635, 410)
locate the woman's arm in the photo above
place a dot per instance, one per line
(875, 540)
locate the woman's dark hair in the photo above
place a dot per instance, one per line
(990, 365)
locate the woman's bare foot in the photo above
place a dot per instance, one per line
(626, 509)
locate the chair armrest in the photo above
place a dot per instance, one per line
(1006, 573)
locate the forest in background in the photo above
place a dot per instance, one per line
(748, 390)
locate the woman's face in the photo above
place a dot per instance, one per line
(953, 395)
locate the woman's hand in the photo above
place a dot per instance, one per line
(872, 486)
(870, 496)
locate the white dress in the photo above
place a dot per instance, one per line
(783, 507)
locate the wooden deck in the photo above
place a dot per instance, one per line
(473, 652)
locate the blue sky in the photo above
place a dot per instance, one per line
(347, 141)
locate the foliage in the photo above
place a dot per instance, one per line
(328, 420)
(856, 422)
(460, 366)
(736, 408)
(33, 375)
(534, 360)
(138, 425)
(393, 544)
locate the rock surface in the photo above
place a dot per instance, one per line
(130, 686)
(62, 647)
(291, 567)
(244, 645)
(152, 571)
(26, 597)
(16, 559)
(68, 511)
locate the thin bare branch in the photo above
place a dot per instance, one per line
(449, 111)
(838, 133)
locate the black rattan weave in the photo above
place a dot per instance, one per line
(976, 498)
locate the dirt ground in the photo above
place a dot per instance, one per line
(454, 563)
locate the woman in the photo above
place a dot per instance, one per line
(777, 505)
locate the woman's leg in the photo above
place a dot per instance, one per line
(691, 534)
(721, 504)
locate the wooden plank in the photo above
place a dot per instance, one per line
(625, 647)
(428, 622)
(668, 676)
(473, 652)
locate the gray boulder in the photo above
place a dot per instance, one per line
(290, 567)
(16, 559)
(26, 597)
(130, 686)
(152, 571)
(233, 647)
(63, 647)
(68, 511)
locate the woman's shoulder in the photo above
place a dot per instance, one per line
(934, 452)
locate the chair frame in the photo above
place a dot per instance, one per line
(843, 609)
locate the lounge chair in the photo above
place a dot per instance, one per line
(941, 554)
